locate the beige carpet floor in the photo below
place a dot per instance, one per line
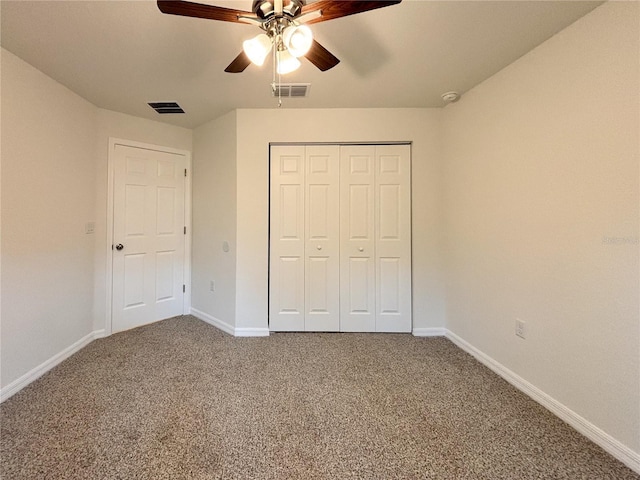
(181, 400)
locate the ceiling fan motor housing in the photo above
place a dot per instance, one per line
(266, 8)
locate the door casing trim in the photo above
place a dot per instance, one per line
(186, 302)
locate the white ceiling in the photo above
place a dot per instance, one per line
(120, 55)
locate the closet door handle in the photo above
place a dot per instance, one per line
(319, 247)
(361, 249)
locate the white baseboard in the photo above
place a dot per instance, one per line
(99, 333)
(429, 332)
(589, 430)
(35, 373)
(211, 320)
(225, 327)
(252, 332)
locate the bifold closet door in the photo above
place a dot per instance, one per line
(340, 238)
(375, 250)
(286, 263)
(357, 232)
(304, 239)
(393, 238)
(322, 235)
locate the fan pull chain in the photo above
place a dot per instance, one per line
(279, 90)
(279, 78)
(273, 76)
(277, 87)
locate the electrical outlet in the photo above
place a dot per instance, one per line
(521, 328)
(212, 286)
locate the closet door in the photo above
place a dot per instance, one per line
(286, 262)
(393, 238)
(322, 238)
(357, 234)
(340, 238)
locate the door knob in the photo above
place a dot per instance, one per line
(319, 247)
(361, 249)
(119, 246)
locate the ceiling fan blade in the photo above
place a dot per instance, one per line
(198, 10)
(341, 8)
(321, 57)
(307, 17)
(239, 64)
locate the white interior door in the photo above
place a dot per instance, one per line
(322, 238)
(393, 238)
(148, 236)
(357, 245)
(286, 261)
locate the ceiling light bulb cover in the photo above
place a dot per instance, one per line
(287, 63)
(297, 39)
(257, 48)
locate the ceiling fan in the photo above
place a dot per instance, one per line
(284, 23)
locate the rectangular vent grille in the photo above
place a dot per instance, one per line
(291, 90)
(166, 107)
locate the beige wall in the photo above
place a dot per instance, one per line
(541, 207)
(214, 219)
(54, 182)
(48, 179)
(256, 128)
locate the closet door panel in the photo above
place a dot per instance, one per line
(357, 232)
(322, 238)
(287, 261)
(393, 238)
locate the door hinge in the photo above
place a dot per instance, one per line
(185, 172)
(184, 288)
(185, 230)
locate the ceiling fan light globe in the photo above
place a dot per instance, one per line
(287, 63)
(257, 48)
(297, 39)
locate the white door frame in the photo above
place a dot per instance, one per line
(186, 304)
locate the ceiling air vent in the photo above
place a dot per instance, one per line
(291, 90)
(166, 107)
